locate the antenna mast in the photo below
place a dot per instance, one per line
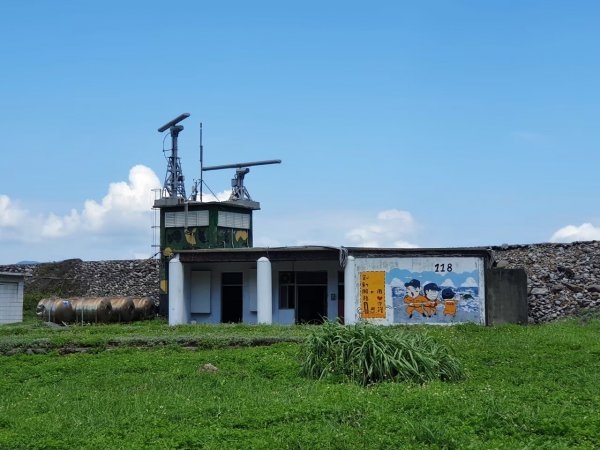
(238, 190)
(201, 162)
(174, 178)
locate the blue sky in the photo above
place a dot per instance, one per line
(430, 124)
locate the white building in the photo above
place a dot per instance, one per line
(11, 297)
(290, 285)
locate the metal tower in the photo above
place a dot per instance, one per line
(174, 178)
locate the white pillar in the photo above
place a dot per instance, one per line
(264, 291)
(176, 297)
(350, 292)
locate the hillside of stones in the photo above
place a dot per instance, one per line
(563, 279)
(77, 278)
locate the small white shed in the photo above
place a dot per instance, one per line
(11, 297)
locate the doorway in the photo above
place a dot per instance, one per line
(311, 297)
(232, 294)
(312, 304)
(341, 297)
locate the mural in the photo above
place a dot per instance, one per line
(422, 290)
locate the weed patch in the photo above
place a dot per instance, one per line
(367, 354)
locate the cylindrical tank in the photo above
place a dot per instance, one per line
(92, 309)
(144, 308)
(57, 310)
(123, 309)
(41, 306)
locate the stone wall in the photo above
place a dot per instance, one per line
(562, 279)
(73, 278)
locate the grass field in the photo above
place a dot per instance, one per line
(139, 386)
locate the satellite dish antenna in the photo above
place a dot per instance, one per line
(238, 190)
(174, 177)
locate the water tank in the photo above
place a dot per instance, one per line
(123, 309)
(144, 308)
(57, 310)
(92, 309)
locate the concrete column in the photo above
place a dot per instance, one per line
(350, 292)
(177, 314)
(264, 291)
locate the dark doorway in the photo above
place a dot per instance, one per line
(312, 304)
(341, 297)
(232, 294)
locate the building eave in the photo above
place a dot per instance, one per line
(323, 253)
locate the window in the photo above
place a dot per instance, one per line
(234, 220)
(287, 290)
(290, 281)
(177, 219)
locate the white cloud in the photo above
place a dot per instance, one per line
(118, 226)
(469, 283)
(448, 283)
(55, 226)
(396, 282)
(10, 214)
(570, 233)
(126, 204)
(218, 197)
(390, 230)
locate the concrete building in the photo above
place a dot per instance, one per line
(211, 273)
(290, 285)
(11, 297)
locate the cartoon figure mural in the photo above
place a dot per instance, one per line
(449, 302)
(413, 298)
(432, 290)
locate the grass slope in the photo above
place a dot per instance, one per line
(525, 387)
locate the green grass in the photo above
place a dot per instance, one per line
(524, 387)
(368, 354)
(39, 337)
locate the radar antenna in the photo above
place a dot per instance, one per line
(238, 190)
(174, 177)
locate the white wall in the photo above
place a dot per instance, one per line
(249, 290)
(280, 316)
(11, 300)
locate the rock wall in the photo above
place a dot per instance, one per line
(74, 277)
(562, 278)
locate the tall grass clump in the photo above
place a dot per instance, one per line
(367, 354)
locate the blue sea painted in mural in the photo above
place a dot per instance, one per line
(434, 297)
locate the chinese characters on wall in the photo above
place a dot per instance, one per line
(372, 295)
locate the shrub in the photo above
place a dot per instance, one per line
(30, 301)
(367, 354)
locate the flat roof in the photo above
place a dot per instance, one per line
(12, 274)
(171, 202)
(322, 253)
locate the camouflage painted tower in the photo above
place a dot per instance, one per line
(194, 224)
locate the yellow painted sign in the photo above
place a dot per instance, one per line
(372, 295)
